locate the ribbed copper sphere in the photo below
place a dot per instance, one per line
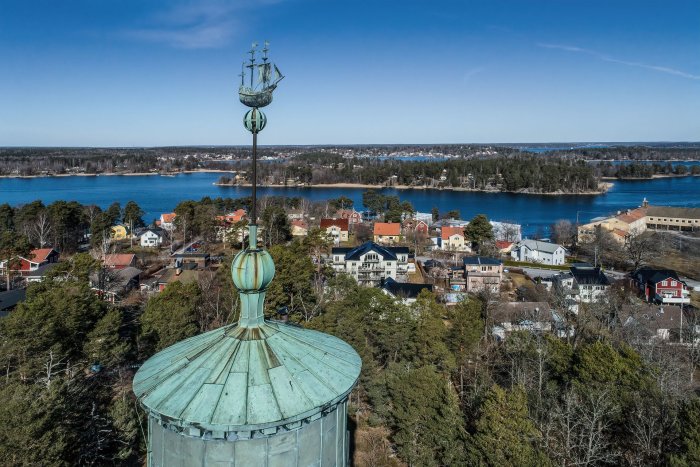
(252, 270)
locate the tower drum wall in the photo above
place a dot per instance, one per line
(323, 442)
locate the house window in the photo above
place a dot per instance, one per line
(673, 283)
(663, 283)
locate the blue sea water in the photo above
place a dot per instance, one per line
(156, 194)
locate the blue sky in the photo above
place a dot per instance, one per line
(151, 73)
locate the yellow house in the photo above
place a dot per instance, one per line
(118, 232)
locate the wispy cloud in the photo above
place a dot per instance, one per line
(472, 72)
(608, 58)
(196, 25)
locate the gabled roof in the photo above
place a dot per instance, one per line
(447, 232)
(654, 275)
(673, 212)
(41, 270)
(168, 217)
(119, 259)
(589, 275)
(342, 224)
(156, 230)
(387, 228)
(404, 289)
(299, 223)
(355, 253)
(633, 215)
(501, 244)
(479, 260)
(39, 255)
(537, 245)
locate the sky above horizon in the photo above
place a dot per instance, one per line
(159, 73)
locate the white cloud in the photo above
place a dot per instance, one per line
(196, 25)
(607, 58)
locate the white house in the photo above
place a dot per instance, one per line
(151, 238)
(535, 251)
(370, 263)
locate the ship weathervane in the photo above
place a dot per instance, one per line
(259, 93)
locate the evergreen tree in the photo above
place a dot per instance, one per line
(425, 417)
(479, 230)
(133, 215)
(170, 317)
(504, 433)
(690, 435)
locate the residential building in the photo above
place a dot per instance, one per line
(426, 217)
(337, 229)
(167, 221)
(295, 214)
(587, 284)
(404, 291)
(535, 251)
(34, 260)
(534, 317)
(481, 273)
(171, 275)
(151, 237)
(452, 239)
(504, 247)
(113, 285)
(660, 286)
(39, 273)
(387, 232)
(351, 215)
(120, 260)
(658, 323)
(300, 228)
(415, 225)
(371, 263)
(232, 217)
(118, 232)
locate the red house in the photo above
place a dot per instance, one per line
(660, 285)
(120, 261)
(37, 258)
(351, 215)
(415, 225)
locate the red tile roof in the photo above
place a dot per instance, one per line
(168, 217)
(387, 228)
(39, 255)
(299, 223)
(447, 232)
(120, 259)
(633, 215)
(502, 244)
(341, 223)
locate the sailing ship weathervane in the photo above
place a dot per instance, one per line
(259, 93)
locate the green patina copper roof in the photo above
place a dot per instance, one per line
(244, 379)
(252, 375)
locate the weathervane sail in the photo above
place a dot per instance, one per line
(259, 93)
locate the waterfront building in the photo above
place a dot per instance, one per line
(370, 263)
(622, 226)
(535, 251)
(673, 218)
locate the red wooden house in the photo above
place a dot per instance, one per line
(660, 285)
(37, 258)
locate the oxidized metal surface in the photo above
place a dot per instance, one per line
(254, 120)
(244, 379)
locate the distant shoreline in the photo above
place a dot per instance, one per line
(603, 188)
